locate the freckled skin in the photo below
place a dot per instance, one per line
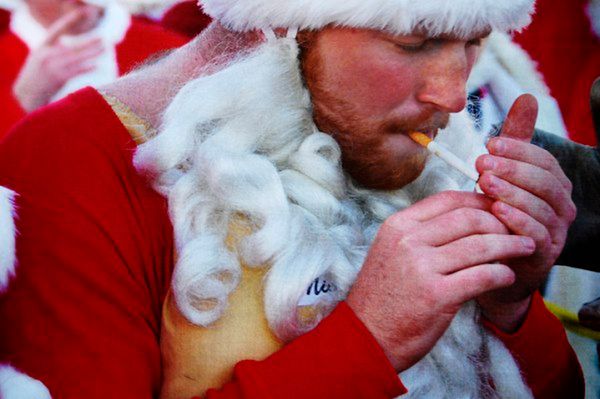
(369, 89)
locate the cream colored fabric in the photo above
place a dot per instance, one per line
(140, 130)
(196, 358)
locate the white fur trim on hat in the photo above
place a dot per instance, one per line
(7, 237)
(16, 385)
(458, 17)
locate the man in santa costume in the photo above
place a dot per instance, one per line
(54, 47)
(249, 218)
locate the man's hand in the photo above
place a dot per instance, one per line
(424, 264)
(51, 65)
(533, 199)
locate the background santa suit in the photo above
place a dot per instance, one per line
(185, 17)
(132, 40)
(503, 72)
(564, 40)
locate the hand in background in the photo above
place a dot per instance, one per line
(50, 66)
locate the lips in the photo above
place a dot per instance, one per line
(430, 132)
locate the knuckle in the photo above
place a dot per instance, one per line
(547, 160)
(406, 245)
(46, 63)
(568, 185)
(571, 212)
(507, 168)
(548, 215)
(461, 215)
(483, 246)
(451, 196)
(432, 296)
(519, 221)
(547, 241)
(486, 278)
(554, 192)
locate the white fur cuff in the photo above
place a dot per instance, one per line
(7, 237)
(458, 17)
(15, 385)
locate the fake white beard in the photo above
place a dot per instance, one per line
(242, 141)
(111, 30)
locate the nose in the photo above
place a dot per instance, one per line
(444, 79)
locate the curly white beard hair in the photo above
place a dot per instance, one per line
(242, 141)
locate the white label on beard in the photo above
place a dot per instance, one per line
(319, 291)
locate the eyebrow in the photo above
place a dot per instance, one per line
(449, 36)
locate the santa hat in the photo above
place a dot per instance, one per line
(457, 17)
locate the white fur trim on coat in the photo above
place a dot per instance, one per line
(459, 17)
(7, 237)
(15, 385)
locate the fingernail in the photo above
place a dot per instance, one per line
(499, 146)
(488, 163)
(528, 243)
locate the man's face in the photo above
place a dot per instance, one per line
(369, 89)
(49, 11)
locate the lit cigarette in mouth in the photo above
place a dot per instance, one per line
(444, 154)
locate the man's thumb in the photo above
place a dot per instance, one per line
(520, 121)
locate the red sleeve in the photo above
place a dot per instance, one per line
(11, 110)
(144, 39)
(338, 359)
(94, 255)
(544, 355)
(14, 52)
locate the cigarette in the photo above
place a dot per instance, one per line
(444, 154)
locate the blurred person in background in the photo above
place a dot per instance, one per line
(51, 48)
(186, 18)
(564, 39)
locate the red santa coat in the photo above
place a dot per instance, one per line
(142, 40)
(95, 257)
